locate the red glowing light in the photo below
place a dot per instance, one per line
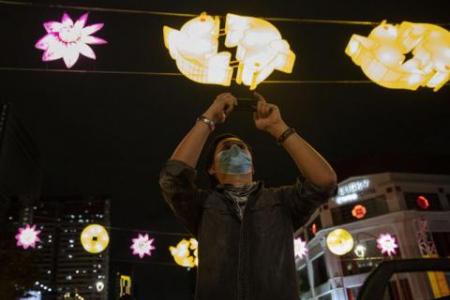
(314, 228)
(422, 202)
(359, 211)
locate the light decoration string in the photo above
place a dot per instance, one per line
(185, 15)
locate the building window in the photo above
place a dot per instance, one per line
(352, 293)
(319, 270)
(415, 201)
(374, 207)
(303, 282)
(325, 297)
(351, 264)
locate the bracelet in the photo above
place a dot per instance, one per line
(285, 135)
(207, 121)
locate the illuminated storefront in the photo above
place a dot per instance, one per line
(389, 216)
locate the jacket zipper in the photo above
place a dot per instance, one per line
(241, 284)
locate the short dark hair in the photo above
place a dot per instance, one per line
(211, 149)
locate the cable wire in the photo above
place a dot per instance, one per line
(190, 15)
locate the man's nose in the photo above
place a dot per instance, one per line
(234, 149)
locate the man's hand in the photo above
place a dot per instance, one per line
(268, 118)
(222, 106)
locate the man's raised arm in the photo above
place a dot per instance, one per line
(310, 163)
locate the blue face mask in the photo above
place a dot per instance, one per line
(235, 161)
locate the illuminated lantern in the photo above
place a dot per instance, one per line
(94, 238)
(67, 40)
(422, 202)
(387, 244)
(359, 211)
(340, 241)
(185, 253)
(383, 55)
(27, 237)
(142, 245)
(360, 251)
(195, 50)
(300, 249)
(260, 50)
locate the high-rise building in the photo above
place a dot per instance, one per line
(411, 211)
(65, 266)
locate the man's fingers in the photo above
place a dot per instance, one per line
(259, 97)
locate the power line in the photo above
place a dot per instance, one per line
(174, 74)
(43, 219)
(190, 15)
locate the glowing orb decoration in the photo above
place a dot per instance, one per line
(387, 244)
(27, 236)
(185, 253)
(260, 50)
(383, 55)
(359, 211)
(67, 40)
(360, 251)
(94, 238)
(300, 249)
(340, 241)
(142, 245)
(423, 202)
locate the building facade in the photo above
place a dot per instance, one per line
(413, 209)
(65, 267)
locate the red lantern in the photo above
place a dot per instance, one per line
(422, 202)
(359, 211)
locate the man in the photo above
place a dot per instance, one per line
(245, 230)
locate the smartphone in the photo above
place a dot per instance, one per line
(246, 104)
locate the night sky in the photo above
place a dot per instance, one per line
(110, 134)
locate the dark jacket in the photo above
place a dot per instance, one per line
(252, 258)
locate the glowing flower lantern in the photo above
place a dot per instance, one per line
(359, 211)
(340, 241)
(260, 50)
(383, 55)
(360, 251)
(94, 238)
(300, 249)
(142, 245)
(27, 237)
(195, 50)
(185, 253)
(387, 244)
(67, 40)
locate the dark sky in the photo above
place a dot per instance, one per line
(110, 134)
